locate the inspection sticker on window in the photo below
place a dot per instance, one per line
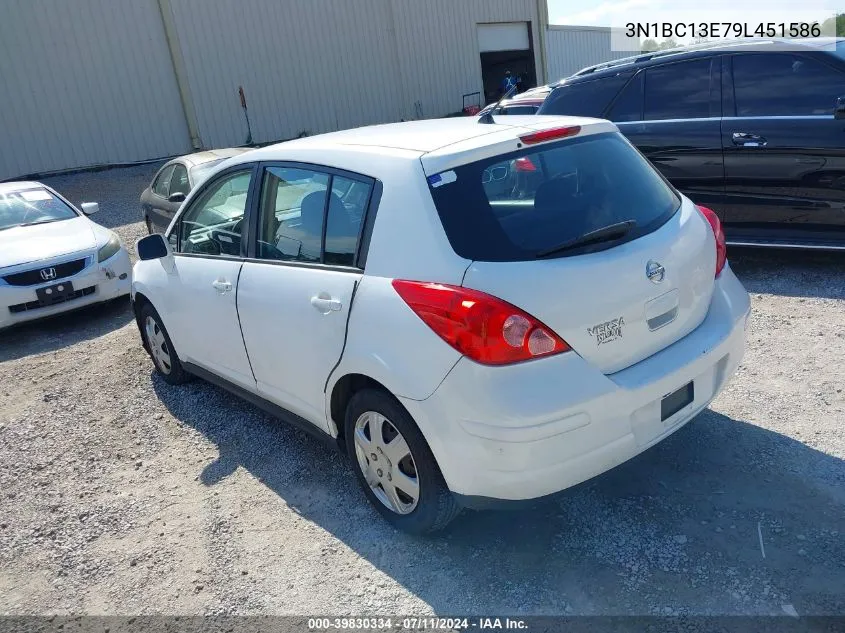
(443, 178)
(36, 195)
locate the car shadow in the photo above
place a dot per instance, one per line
(63, 330)
(723, 517)
(789, 272)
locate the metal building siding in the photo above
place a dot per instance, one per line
(569, 49)
(321, 65)
(439, 54)
(85, 83)
(306, 67)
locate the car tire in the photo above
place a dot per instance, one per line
(160, 348)
(433, 506)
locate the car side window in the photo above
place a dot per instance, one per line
(587, 98)
(783, 84)
(346, 214)
(212, 224)
(179, 181)
(629, 104)
(161, 186)
(678, 91)
(295, 216)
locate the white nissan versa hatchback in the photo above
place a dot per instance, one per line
(473, 312)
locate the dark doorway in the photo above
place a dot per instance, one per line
(494, 65)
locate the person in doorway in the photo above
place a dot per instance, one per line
(507, 83)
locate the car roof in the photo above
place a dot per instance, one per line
(420, 137)
(207, 156)
(438, 143)
(644, 60)
(21, 185)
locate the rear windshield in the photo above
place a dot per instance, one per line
(518, 206)
(32, 206)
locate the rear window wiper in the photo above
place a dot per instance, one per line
(604, 234)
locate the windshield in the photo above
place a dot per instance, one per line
(523, 205)
(200, 172)
(33, 206)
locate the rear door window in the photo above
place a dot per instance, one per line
(678, 91)
(179, 181)
(784, 84)
(297, 224)
(585, 98)
(514, 207)
(629, 104)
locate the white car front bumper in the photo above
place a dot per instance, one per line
(535, 428)
(96, 282)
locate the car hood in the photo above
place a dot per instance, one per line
(23, 244)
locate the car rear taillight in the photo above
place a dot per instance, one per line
(721, 247)
(480, 326)
(550, 135)
(524, 164)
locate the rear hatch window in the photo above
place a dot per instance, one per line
(541, 202)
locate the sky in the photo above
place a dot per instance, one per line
(619, 12)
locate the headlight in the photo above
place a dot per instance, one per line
(109, 249)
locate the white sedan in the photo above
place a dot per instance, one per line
(52, 257)
(475, 313)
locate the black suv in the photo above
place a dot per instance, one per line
(754, 130)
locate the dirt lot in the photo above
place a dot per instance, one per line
(121, 495)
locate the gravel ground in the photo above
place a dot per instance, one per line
(123, 495)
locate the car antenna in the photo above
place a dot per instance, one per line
(487, 117)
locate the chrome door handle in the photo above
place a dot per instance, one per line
(221, 285)
(744, 139)
(325, 303)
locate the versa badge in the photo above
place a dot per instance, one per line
(607, 331)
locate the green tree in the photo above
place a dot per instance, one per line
(649, 46)
(667, 44)
(840, 25)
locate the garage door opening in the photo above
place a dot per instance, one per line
(506, 46)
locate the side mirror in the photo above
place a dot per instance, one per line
(176, 197)
(89, 208)
(839, 110)
(153, 246)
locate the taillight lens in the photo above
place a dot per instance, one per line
(480, 326)
(524, 164)
(552, 134)
(721, 247)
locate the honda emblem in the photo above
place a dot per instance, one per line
(48, 273)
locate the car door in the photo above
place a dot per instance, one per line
(155, 197)
(671, 113)
(784, 150)
(202, 311)
(296, 289)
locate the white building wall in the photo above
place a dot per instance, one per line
(439, 54)
(92, 82)
(88, 82)
(320, 65)
(571, 48)
(305, 66)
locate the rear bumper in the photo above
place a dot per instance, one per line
(95, 283)
(533, 429)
